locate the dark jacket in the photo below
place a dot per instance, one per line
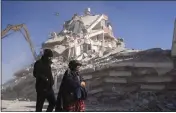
(43, 74)
(66, 95)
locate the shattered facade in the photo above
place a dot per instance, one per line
(85, 36)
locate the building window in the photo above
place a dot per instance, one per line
(89, 47)
(106, 23)
(81, 46)
(96, 38)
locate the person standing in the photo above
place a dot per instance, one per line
(72, 91)
(44, 81)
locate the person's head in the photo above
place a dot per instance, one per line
(48, 54)
(74, 65)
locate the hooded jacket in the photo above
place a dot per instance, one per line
(43, 74)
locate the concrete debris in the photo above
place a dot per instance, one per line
(146, 101)
(140, 101)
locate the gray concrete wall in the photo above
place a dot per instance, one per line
(126, 77)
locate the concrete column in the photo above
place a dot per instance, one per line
(55, 82)
(173, 50)
(91, 45)
(87, 48)
(174, 62)
(69, 50)
(75, 47)
(103, 43)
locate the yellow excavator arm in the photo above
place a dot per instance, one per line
(26, 35)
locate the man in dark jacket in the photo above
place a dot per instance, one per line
(44, 81)
(66, 99)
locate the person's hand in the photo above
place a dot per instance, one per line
(83, 84)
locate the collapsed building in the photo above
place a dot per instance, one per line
(84, 36)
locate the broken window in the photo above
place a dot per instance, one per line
(96, 38)
(84, 47)
(89, 47)
(81, 46)
(99, 37)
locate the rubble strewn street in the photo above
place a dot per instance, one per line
(140, 101)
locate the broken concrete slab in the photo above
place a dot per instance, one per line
(112, 80)
(119, 73)
(153, 87)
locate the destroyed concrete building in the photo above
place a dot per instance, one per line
(84, 36)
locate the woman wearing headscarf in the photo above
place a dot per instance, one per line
(72, 91)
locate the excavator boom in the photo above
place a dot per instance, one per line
(26, 35)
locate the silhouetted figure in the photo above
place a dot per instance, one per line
(72, 91)
(44, 81)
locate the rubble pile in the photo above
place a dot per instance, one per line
(144, 101)
(97, 66)
(25, 89)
